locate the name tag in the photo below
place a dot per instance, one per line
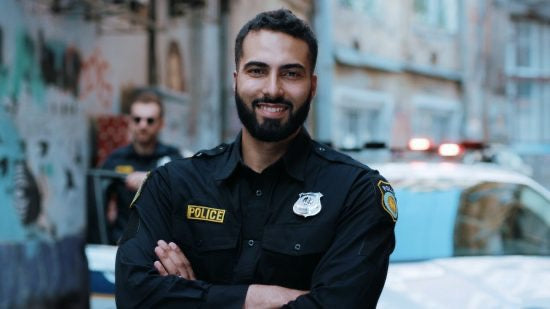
(203, 213)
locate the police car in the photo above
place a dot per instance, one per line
(467, 236)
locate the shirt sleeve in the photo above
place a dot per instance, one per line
(137, 282)
(352, 272)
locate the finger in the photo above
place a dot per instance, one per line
(182, 264)
(160, 268)
(161, 243)
(164, 258)
(184, 260)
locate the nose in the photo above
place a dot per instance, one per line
(273, 87)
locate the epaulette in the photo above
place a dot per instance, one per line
(332, 155)
(211, 152)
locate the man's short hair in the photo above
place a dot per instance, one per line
(148, 97)
(281, 20)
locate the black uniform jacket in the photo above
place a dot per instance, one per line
(126, 160)
(238, 227)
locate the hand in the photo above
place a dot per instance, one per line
(172, 261)
(270, 296)
(134, 180)
(112, 210)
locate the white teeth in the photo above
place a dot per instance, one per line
(273, 109)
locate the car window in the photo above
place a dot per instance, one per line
(485, 219)
(501, 219)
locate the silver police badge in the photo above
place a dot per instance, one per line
(308, 204)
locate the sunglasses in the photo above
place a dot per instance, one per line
(149, 120)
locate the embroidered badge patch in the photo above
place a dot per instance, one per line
(203, 213)
(136, 196)
(308, 204)
(124, 169)
(389, 203)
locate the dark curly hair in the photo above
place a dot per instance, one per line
(281, 20)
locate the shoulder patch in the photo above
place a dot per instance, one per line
(389, 203)
(136, 196)
(211, 152)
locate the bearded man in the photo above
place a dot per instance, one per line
(273, 219)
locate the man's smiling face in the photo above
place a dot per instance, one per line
(274, 85)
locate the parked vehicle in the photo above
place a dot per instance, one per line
(468, 236)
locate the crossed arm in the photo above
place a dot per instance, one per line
(172, 261)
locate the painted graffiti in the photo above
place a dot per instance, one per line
(60, 64)
(24, 74)
(95, 70)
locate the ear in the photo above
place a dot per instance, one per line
(128, 119)
(234, 81)
(161, 122)
(313, 85)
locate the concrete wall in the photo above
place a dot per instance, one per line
(392, 57)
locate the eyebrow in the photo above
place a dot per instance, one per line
(293, 66)
(255, 64)
(283, 67)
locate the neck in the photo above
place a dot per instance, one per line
(258, 155)
(144, 149)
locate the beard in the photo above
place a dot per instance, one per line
(271, 130)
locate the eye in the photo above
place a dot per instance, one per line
(293, 74)
(255, 71)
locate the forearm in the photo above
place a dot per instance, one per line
(269, 296)
(138, 284)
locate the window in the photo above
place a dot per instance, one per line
(524, 45)
(528, 89)
(361, 116)
(498, 218)
(366, 6)
(435, 118)
(440, 14)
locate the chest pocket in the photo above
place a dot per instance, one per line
(297, 240)
(211, 247)
(291, 252)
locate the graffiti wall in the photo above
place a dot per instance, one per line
(58, 74)
(46, 82)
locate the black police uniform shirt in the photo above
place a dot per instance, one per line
(238, 227)
(126, 160)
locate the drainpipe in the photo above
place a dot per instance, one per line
(322, 124)
(151, 42)
(223, 27)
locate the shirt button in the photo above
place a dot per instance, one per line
(297, 247)
(259, 193)
(251, 243)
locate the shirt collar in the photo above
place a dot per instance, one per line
(232, 159)
(293, 159)
(159, 150)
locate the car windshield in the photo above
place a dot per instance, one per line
(486, 219)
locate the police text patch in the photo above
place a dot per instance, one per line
(203, 213)
(389, 202)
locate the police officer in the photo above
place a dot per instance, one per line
(273, 219)
(144, 153)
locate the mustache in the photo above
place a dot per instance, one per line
(277, 100)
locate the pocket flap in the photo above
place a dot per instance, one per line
(297, 239)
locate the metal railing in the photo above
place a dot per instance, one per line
(100, 179)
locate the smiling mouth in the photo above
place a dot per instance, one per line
(272, 108)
